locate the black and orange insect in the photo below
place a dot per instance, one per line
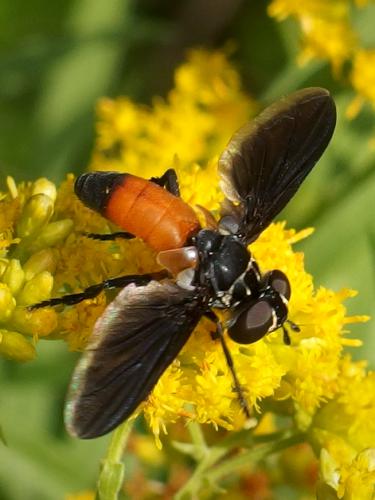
(142, 331)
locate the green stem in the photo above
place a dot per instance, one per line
(194, 484)
(199, 442)
(111, 475)
(253, 456)
(206, 473)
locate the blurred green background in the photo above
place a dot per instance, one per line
(57, 58)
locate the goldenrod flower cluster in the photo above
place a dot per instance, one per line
(44, 253)
(328, 33)
(186, 131)
(343, 433)
(28, 262)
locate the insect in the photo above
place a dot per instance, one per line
(204, 269)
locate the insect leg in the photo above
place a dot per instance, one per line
(169, 181)
(94, 290)
(110, 236)
(220, 335)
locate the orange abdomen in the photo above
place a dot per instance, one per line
(150, 212)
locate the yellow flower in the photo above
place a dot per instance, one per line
(27, 231)
(193, 124)
(351, 475)
(344, 429)
(328, 30)
(200, 186)
(363, 80)
(14, 346)
(358, 478)
(327, 33)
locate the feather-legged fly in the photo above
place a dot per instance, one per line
(142, 331)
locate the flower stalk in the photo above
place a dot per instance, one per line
(112, 469)
(213, 466)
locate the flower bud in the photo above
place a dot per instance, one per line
(37, 289)
(7, 302)
(3, 266)
(52, 234)
(44, 186)
(12, 186)
(44, 260)
(36, 213)
(14, 276)
(37, 323)
(15, 346)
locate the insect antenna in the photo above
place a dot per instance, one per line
(294, 327)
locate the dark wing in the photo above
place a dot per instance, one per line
(266, 160)
(133, 342)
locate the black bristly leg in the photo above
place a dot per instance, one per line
(169, 181)
(110, 236)
(219, 334)
(94, 290)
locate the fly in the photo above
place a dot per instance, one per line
(142, 331)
